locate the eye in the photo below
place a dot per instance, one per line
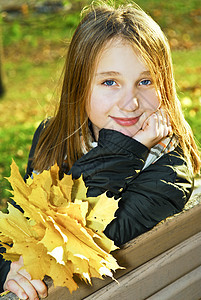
(145, 82)
(109, 82)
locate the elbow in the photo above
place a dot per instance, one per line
(123, 229)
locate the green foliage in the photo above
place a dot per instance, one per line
(32, 29)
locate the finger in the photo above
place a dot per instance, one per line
(146, 116)
(146, 122)
(169, 120)
(26, 286)
(166, 117)
(163, 116)
(40, 287)
(24, 273)
(14, 287)
(157, 118)
(29, 289)
(143, 118)
(163, 129)
(167, 123)
(170, 131)
(21, 262)
(16, 265)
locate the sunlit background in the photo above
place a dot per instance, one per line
(34, 36)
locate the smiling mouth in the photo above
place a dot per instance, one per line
(125, 121)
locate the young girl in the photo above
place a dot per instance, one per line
(120, 124)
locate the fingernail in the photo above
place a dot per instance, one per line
(24, 296)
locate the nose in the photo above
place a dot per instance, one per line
(129, 104)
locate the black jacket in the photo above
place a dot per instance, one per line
(146, 196)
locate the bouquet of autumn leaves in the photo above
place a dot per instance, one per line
(60, 232)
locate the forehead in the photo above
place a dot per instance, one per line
(119, 53)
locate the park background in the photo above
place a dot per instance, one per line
(34, 39)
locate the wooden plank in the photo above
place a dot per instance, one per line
(156, 274)
(161, 238)
(140, 250)
(185, 288)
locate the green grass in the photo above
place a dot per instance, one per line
(188, 77)
(34, 49)
(31, 92)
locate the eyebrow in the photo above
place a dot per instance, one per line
(145, 73)
(114, 73)
(109, 73)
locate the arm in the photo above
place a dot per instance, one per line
(159, 191)
(147, 197)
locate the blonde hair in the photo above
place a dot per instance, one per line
(100, 24)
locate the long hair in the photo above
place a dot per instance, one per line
(102, 23)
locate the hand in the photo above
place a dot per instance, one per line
(156, 127)
(19, 282)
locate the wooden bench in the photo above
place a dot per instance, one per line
(164, 263)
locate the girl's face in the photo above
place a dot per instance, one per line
(122, 92)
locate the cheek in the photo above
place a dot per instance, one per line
(98, 106)
(94, 110)
(150, 101)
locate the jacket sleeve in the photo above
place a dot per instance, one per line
(158, 192)
(146, 196)
(4, 269)
(36, 136)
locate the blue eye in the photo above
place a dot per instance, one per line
(109, 82)
(145, 82)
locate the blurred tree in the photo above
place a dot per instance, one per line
(1, 80)
(77, 5)
(2, 90)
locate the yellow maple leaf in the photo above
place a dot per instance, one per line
(66, 184)
(61, 229)
(76, 210)
(98, 218)
(14, 225)
(79, 190)
(17, 182)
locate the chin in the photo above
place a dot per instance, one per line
(126, 131)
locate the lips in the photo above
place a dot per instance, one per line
(125, 121)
